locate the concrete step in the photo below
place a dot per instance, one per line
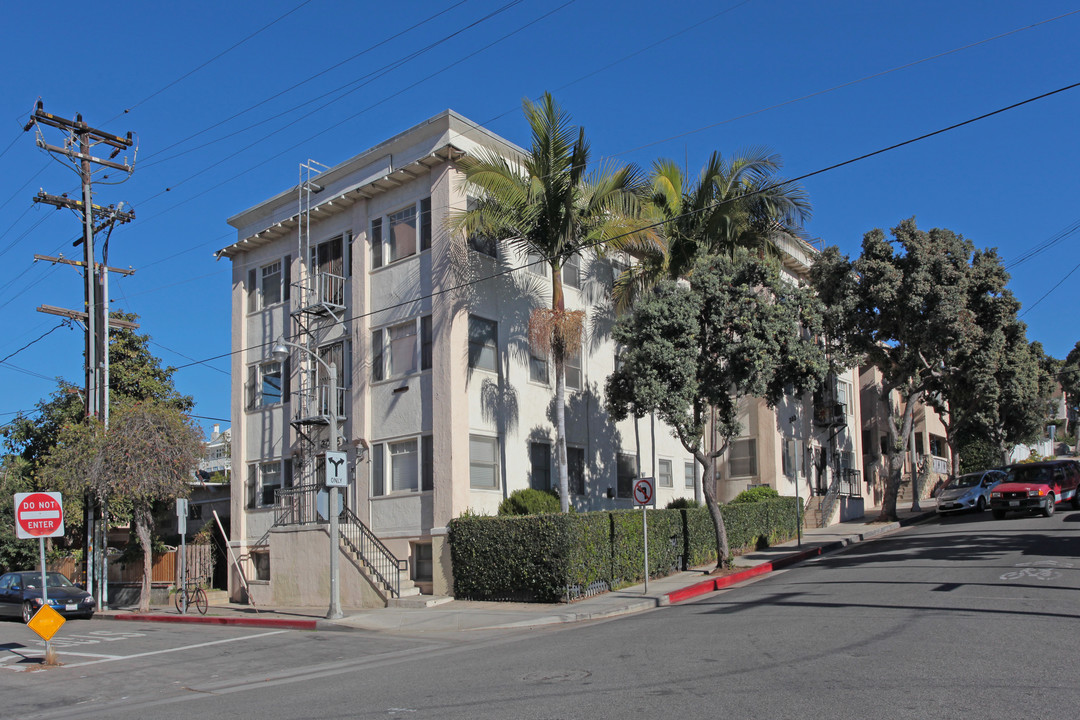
(217, 597)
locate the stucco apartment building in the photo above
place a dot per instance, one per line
(442, 407)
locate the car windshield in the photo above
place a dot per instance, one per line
(1021, 474)
(966, 481)
(55, 579)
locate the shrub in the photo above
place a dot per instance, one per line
(756, 494)
(529, 502)
(683, 503)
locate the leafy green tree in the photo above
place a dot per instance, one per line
(912, 307)
(146, 455)
(544, 204)
(134, 374)
(736, 202)
(691, 353)
(1069, 377)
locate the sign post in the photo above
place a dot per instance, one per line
(181, 527)
(644, 495)
(40, 515)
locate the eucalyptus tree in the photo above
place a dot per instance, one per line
(735, 202)
(546, 206)
(1069, 377)
(693, 351)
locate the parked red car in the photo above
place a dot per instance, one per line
(1037, 486)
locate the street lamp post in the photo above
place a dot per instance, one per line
(280, 353)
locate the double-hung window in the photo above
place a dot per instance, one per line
(575, 470)
(402, 466)
(573, 370)
(536, 264)
(477, 242)
(742, 458)
(483, 343)
(689, 474)
(483, 462)
(398, 350)
(268, 384)
(538, 367)
(265, 479)
(626, 469)
(790, 459)
(571, 271)
(401, 234)
(664, 479)
(269, 284)
(540, 466)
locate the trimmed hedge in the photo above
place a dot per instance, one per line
(548, 558)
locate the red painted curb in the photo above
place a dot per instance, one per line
(288, 624)
(719, 583)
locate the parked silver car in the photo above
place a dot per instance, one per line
(968, 492)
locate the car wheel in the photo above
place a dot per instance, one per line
(999, 514)
(981, 505)
(1049, 509)
(27, 611)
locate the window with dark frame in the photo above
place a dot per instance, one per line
(483, 343)
(575, 470)
(540, 466)
(742, 458)
(627, 471)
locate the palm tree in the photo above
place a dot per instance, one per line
(738, 202)
(544, 205)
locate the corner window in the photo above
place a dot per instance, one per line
(664, 479)
(483, 462)
(398, 236)
(626, 472)
(742, 458)
(402, 466)
(483, 343)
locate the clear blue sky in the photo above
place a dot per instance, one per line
(646, 80)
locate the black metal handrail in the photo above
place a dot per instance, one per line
(372, 553)
(297, 505)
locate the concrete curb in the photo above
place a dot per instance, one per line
(719, 583)
(268, 622)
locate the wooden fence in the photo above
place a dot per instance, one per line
(165, 568)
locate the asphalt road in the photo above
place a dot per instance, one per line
(953, 618)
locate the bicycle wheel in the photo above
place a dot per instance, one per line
(200, 601)
(178, 599)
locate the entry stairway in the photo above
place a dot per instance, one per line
(388, 575)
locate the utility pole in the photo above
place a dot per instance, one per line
(79, 143)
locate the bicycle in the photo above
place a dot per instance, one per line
(195, 595)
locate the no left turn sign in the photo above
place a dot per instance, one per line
(38, 515)
(644, 492)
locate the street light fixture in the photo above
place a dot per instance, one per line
(280, 352)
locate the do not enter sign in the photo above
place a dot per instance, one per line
(38, 515)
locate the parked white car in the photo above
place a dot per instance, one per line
(968, 492)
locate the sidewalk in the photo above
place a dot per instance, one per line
(458, 615)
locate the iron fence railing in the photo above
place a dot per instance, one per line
(298, 506)
(375, 556)
(315, 402)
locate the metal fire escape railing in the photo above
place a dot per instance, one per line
(300, 506)
(848, 482)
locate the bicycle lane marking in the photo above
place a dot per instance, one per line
(114, 658)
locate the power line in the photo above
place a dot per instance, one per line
(1046, 245)
(294, 86)
(216, 57)
(516, 268)
(37, 339)
(1047, 293)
